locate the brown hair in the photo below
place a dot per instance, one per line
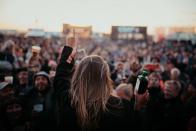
(90, 90)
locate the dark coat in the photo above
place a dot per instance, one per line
(163, 115)
(119, 114)
(41, 110)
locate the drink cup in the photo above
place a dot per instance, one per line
(9, 79)
(36, 49)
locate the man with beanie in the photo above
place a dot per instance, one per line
(41, 103)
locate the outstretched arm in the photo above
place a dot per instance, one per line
(62, 80)
(63, 72)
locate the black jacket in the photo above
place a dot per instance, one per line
(41, 110)
(118, 117)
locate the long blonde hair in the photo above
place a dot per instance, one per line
(90, 90)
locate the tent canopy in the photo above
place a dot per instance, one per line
(35, 33)
(182, 36)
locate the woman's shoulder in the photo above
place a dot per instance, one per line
(118, 115)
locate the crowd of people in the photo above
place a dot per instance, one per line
(89, 85)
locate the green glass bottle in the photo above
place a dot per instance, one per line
(141, 83)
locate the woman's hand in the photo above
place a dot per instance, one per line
(72, 42)
(141, 100)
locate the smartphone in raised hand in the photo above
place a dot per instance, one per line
(71, 39)
(72, 42)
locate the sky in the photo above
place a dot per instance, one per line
(101, 14)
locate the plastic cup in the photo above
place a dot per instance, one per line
(36, 49)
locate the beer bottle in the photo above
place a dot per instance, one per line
(141, 83)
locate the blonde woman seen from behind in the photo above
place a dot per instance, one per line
(84, 95)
